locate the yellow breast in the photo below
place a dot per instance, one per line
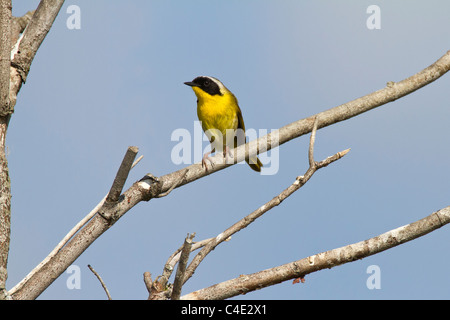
(217, 111)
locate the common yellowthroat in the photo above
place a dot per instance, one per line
(220, 115)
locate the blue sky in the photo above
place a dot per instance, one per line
(118, 81)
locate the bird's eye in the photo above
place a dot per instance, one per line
(206, 83)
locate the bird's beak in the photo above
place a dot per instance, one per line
(191, 84)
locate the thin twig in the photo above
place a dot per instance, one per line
(312, 141)
(101, 281)
(148, 281)
(175, 257)
(243, 223)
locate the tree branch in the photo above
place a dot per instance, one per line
(160, 289)
(5, 112)
(101, 281)
(122, 174)
(179, 276)
(324, 260)
(10, 84)
(18, 25)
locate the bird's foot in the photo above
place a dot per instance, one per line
(227, 152)
(204, 164)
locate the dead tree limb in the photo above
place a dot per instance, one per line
(325, 260)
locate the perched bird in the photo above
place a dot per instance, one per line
(221, 117)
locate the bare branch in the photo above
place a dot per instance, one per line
(160, 289)
(175, 257)
(11, 76)
(122, 174)
(148, 281)
(179, 276)
(324, 260)
(18, 25)
(101, 281)
(5, 112)
(312, 140)
(172, 261)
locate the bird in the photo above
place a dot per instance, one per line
(219, 112)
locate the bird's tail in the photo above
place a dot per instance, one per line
(255, 164)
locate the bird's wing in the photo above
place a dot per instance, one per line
(240, 120)
(240, 139)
